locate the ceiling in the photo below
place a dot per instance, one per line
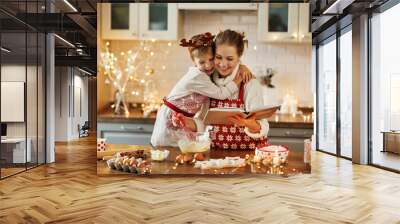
(328, 16)
(72, 20)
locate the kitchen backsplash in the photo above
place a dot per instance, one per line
(291, 63)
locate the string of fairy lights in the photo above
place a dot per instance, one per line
(132, 74)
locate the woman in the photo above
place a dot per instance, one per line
(193, 90)
(246, 133)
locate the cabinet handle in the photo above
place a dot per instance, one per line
(139, 128)
(133, 34)
(303, 135)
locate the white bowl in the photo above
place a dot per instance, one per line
(194, 142)
(159, 155)
(272, 151)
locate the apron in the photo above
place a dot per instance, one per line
(188, 105)
(229, 136)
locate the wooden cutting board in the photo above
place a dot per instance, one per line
(111, 149)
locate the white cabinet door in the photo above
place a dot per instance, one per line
(159, 21)
(304, 23)
(120, 21)
(278, 22)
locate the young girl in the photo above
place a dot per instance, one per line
(193, 90)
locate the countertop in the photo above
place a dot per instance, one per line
(275, 121)
(294, 165)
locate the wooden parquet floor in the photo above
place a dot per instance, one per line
(69, 191)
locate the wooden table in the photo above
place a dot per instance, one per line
(295, 164)
(391, 141)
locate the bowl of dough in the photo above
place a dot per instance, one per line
(194, 142)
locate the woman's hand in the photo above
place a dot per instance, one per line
(181, 121)
(238, 79)
(245, 73)
(250, 123)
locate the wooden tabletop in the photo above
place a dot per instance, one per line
(294, 165)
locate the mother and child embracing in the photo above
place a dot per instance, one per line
(217, 80)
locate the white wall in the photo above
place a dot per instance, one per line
(68, 83)
(61, 103)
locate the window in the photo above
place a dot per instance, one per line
(327, 96)
(346, 93)
(385, 89)
(22, 76)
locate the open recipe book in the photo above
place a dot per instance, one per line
(221, 115)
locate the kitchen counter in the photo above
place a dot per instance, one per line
(275, 121)
(134, 116)
(294, 165)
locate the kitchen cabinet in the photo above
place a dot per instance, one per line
(120, 21)
(125, 133)
(144, 21)
(293, 138)
(159, 21)
(304, 33)
(217, 6)
(284, 22)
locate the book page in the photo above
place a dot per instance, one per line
(266, 107)
(221, 116)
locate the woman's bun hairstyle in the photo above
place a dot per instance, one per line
(232, 38)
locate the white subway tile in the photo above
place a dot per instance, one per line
(229, 19)
(248, 19)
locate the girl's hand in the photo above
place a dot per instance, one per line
(238, 79)
(177, 120)
(245, 73)
(181, 121)
(250, 123)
